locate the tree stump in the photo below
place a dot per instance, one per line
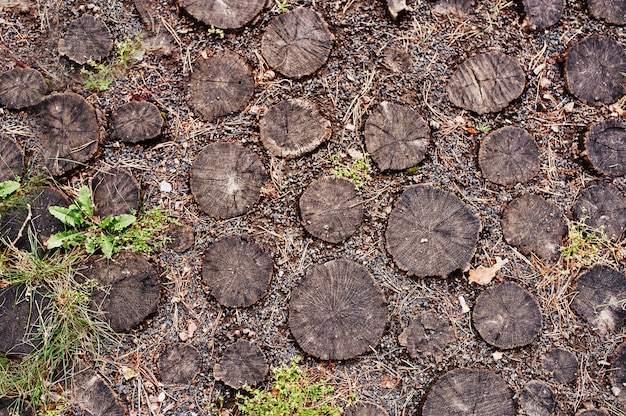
(220, 85)
(562, 364)
(236, 271)
(611, 11)
(605, 147)
(21, 88)
(20, 319)
(593, 70)
(508, 156)
(427, 334)
(486, 83)
(11, 160)
(136, 122)
(224, 14)
(226, 180)
(93, 395)
(293, 128)
(430, 232)
(507, 316)
(599, 299)
(593, 412)
(114, 193)
(602, 207)
(618, 375)
(537, 398)
(331, 209)
(129, 289)
(534, 225)
(243, 364)
(396, 136)
(297, 43)
(543, 13)
(179, 364)
(397, 60)
(338, 311)
(87, 38)
(182, 237)
(469, 391)
(70, 132)
(365, 409)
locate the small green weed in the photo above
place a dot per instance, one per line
(7, 188)
(484, 128)
(358, 171)
(215, 31)
(281, 6)
(13, 192)
(584, 245)
(101, 75)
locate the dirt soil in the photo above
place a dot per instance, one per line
(354, 80)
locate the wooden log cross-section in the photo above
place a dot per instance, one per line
(21, 88)
(179, 363)
(114, 192)
(243, 363)
(11, 159)
(605, 147)
(611, 11)
(563, 365)
(365, 409)
(537, 398)
(618, 376)
(428, 334)
(602, 207)
(136, 122)
(87, 38)
(543, 13)
(20, 319)
(223, 14)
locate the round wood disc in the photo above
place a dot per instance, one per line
(114, 192)
(137, 121)
(486, 83)
(537, 398)
(91, 393)
(618, 375)
(469, 391)
(243, 363)
(224, 14)
(292, 128)
(220, 85)
(602, 206)
(562, 364)
(21, 88)
(598, 296)
(182, 237)
(87, 38)
(427, 334)
(129, 289)
(507, 316)
(431, 232)
(396, 136)
(543, 13)
(534, 225)
(611, 11)
(179, 363)
(508, 156)
(397, 60)
(20, 319)
(226, 180)
(365, 409)
(331, 209)
(605, 147)
(70, 132)
(593, 70)
(593, 412)
(338, 311)
(297, 43)
(11, 160)
(236, 271)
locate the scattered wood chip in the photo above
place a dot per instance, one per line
(484, 275)
(395, 7)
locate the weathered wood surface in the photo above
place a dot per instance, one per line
(21, 88)
(243, 363)
(428, 334)
(91, 393)
(611, 11)
(605, 147)
(602, 206)
(20, 320)
(562, 364)
(223, 14)
(11, 159)
(365, 409)
(537, 398)
(618, 375)
(115, 192)
(397, 59)
(87, 38)
(182, 237)
(179, 363)
(136, 122)
(543, 13)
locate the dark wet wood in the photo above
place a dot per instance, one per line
(296, 43)
(224, 14)
(91, 393)
(543, 13)
(611, 11)
(70, 132)
(115, 192)
(129, 289)
(397, 60)
(428, 334)
(602, 206)
(507, 316)
(598, 299)
(21, 88)
(605, 147)
(243, 363)
(337, 312)
(537, 398)
(365, 409)
(469, 391)
(593, 70)
(430, 232)
(226, 180)
(293, 128)
(182, 237)
(508, 156)
(533, 225)
(396, 136)
(136, 122)
(11, 159)
(486, 83)
(87, 38)
(331, 209)
(236, 271)
(20, 319)
(179, 363)
(563, 365)
(618, 375)
(220, 85)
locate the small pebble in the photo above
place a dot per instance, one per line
(165, 187)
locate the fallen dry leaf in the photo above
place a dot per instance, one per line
(484, 275)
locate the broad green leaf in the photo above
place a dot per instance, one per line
(64, 239)
(84, 201)
(91, 244)
(106, 245)
(8, 187)
(121, 222)
(65, 215)
(105, 223)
